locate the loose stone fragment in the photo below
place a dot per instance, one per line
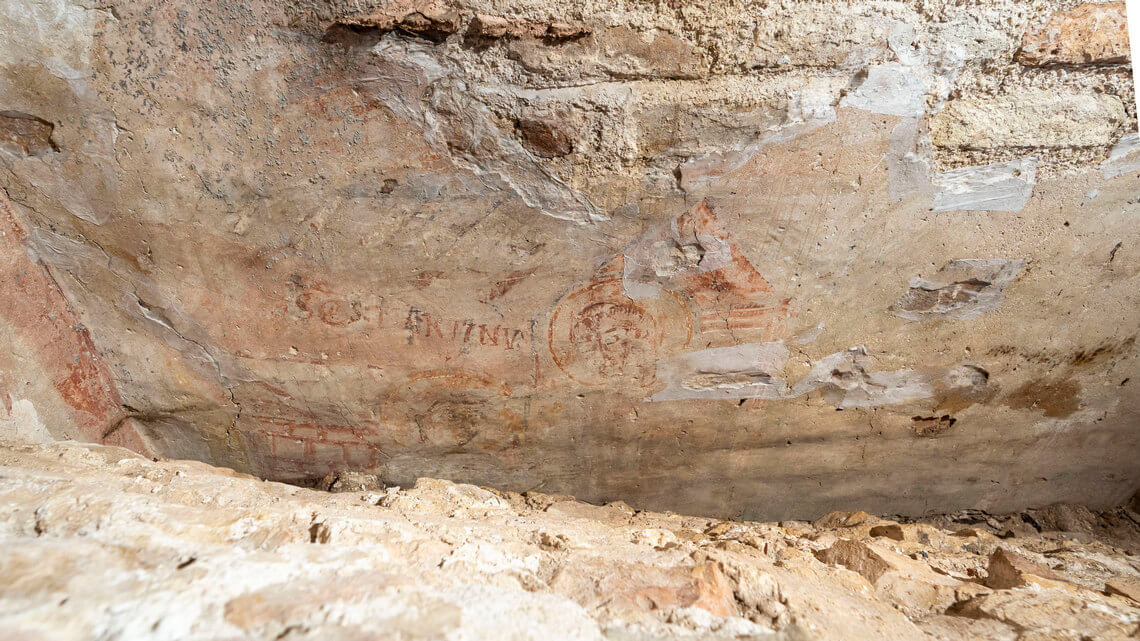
(890, 531)
(1130, 589)
(1090, 33)
(1009, 569)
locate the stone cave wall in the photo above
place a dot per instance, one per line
(752, 259)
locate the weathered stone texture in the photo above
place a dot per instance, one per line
(53, 383)
(1089, 33)
(686, 255)
(98, 542)
(26, 135)
(1030, 119)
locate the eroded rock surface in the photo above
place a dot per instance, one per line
(650, 252)
(1092, 32)
(99, 542)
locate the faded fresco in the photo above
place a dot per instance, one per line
(752, 260)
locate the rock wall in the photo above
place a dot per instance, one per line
(731, 258)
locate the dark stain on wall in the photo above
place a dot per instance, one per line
(1057, 399)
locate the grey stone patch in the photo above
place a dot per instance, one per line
(1124, 157)
(963, 290)
(844, 382)
(1003, 186)
(890, 89)
(741, 371)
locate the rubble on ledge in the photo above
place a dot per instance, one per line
(99, 543)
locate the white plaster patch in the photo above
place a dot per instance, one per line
(60, 251)
(57, 34)
(740, 371)
(750, 371)
(449, 113)
(891, 89)
(845, 382)
(908, 161)
(1124, 157)
(662, 254)
(1076, 420)
(809, 335)
(19, 421)
(808, 109)
(701, 172)
(996, 187)
(811, 104)
(962, 289)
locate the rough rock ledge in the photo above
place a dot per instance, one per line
(97, 542)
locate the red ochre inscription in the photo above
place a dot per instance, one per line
(598, 334)
(426, 325)
(734, 297)
(33, 306)
(316, 301)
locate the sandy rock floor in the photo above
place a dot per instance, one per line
(99, 543)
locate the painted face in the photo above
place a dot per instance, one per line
(614, 335)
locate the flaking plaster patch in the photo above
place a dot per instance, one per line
(19, 421)
(962, 289)
(753, 370)
(741, 371)
(1003, 186)
(1124, 157)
